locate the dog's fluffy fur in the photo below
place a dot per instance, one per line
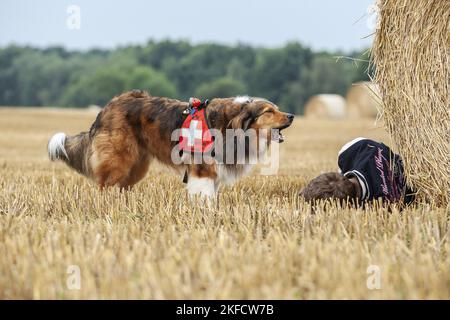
(135, 128)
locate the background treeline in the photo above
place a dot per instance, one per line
(287, 75)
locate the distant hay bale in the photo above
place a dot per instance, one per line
(363, 100)
(94, 108)
(325, 106)
(411, 54)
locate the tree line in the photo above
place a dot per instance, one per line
(288, 75)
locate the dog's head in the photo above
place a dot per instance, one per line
(256, 113)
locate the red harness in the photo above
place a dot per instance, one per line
(195, 135)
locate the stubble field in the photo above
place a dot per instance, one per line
(259, 241)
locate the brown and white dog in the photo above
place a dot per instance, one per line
(135, 128)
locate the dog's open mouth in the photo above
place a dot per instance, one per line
(277, 136)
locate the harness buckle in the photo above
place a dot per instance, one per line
(195, 104)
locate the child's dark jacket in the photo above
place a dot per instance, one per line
(378, 169)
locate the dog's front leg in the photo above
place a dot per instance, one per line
(202, 180)
(201, 186)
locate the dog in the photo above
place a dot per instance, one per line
(134, 128)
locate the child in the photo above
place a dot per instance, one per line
(368, 171)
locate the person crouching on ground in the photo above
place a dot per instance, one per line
(369, 170)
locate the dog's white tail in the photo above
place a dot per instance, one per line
(56, 147)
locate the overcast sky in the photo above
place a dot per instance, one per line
(321, 24)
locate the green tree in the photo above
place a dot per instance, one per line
(276, 68)
(97, 88)
(362, 69)
(155, 54)
(204, 63)
(294, 97)
(39, 78)
(101, 86)
(221, 88)
(287, 76)
(152, 81)
(329, 75)
(9, 86)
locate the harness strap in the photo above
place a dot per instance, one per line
(194, 106)
(185, 178)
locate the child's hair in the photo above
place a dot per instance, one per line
(331, 185)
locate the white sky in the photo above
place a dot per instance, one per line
(321, 24)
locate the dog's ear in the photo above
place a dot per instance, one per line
(243, 120)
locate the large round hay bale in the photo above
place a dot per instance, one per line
(363, 100)
(411, 53)
(94, 108)
(325, 106)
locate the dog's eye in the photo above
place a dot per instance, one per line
(269, 111)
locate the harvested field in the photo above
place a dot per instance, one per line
(260, 241)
